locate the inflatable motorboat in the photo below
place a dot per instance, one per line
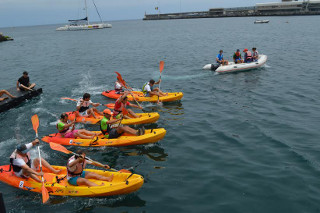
(232, 67)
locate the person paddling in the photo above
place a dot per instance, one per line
(121, 103)
(24, 167)
(111, 133)
(24, 84)
(149, 91)
(77, 176)
(118, 87)
(83, 107)
(64, 129)
(2, 92)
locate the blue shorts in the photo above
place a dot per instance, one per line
(238, 60)
(73, 180)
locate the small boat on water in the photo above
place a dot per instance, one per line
(83, 24)
(232, 67)
(261, 21)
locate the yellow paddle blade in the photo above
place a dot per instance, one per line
(59, 148)
(35, 122)
(161, 65)
(45, 194)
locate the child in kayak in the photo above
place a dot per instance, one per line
(149, 91)
(77, 177)
(24, 167)
(83, 107)
(64, 129)
(121, 103)
(110, 133)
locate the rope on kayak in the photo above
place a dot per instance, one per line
(95, 142)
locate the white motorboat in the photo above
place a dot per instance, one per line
(83, 24)
(232, 67)
(261, 21)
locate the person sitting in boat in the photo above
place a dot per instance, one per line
(83, 107)
(255, 54)
(110, 133)
(24, 84)
(220, 59)
(121, 103)
(64, 129)
(24, 167)
(2, 92)
(149, 91)
(77, 176)
(247, 56)
(118, 87)
(237, 57)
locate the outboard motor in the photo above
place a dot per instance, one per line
(214, 67)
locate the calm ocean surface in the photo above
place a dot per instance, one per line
(244, 142)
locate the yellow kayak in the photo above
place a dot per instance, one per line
(145, 118)
(139, 96)
(150, 136)
(58, 184)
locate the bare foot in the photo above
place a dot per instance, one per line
(2, 99)
(110, 178)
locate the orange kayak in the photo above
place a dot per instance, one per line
(145, 118)
(139, 96)
(150, 136)
(57, 184)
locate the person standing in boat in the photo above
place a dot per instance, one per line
(247, 56)
(255, 54)
(24, 84)
(220, 59)
(24, 167)
(237, 57)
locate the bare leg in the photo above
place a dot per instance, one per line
(127, 129)
(97, 111)
(7, 93)
(33, 176)
(92, 175)
(83, 181)
(91, 112)
(2, 99)
(82, 133)
(32, 86)
(133, 114)
(45, 164)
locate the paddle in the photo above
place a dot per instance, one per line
(161, 65)
(44, 191)
(125, 85)
(61, 148)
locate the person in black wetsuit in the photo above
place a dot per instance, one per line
(24, 84)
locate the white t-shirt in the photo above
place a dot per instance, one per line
(118, 85)
(84, 104)
(147, 88)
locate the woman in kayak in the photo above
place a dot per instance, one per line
(64, 129)
(77, 177)
(110, 133)
(24, 167)
(121, 103)
(83, 107)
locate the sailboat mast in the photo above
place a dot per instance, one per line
(85, 2)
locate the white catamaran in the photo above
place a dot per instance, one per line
(83, 24)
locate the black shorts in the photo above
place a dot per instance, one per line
(113, 134)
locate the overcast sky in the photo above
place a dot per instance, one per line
(41, 12)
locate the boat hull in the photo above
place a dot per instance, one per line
(232, 67)
(61, 187)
